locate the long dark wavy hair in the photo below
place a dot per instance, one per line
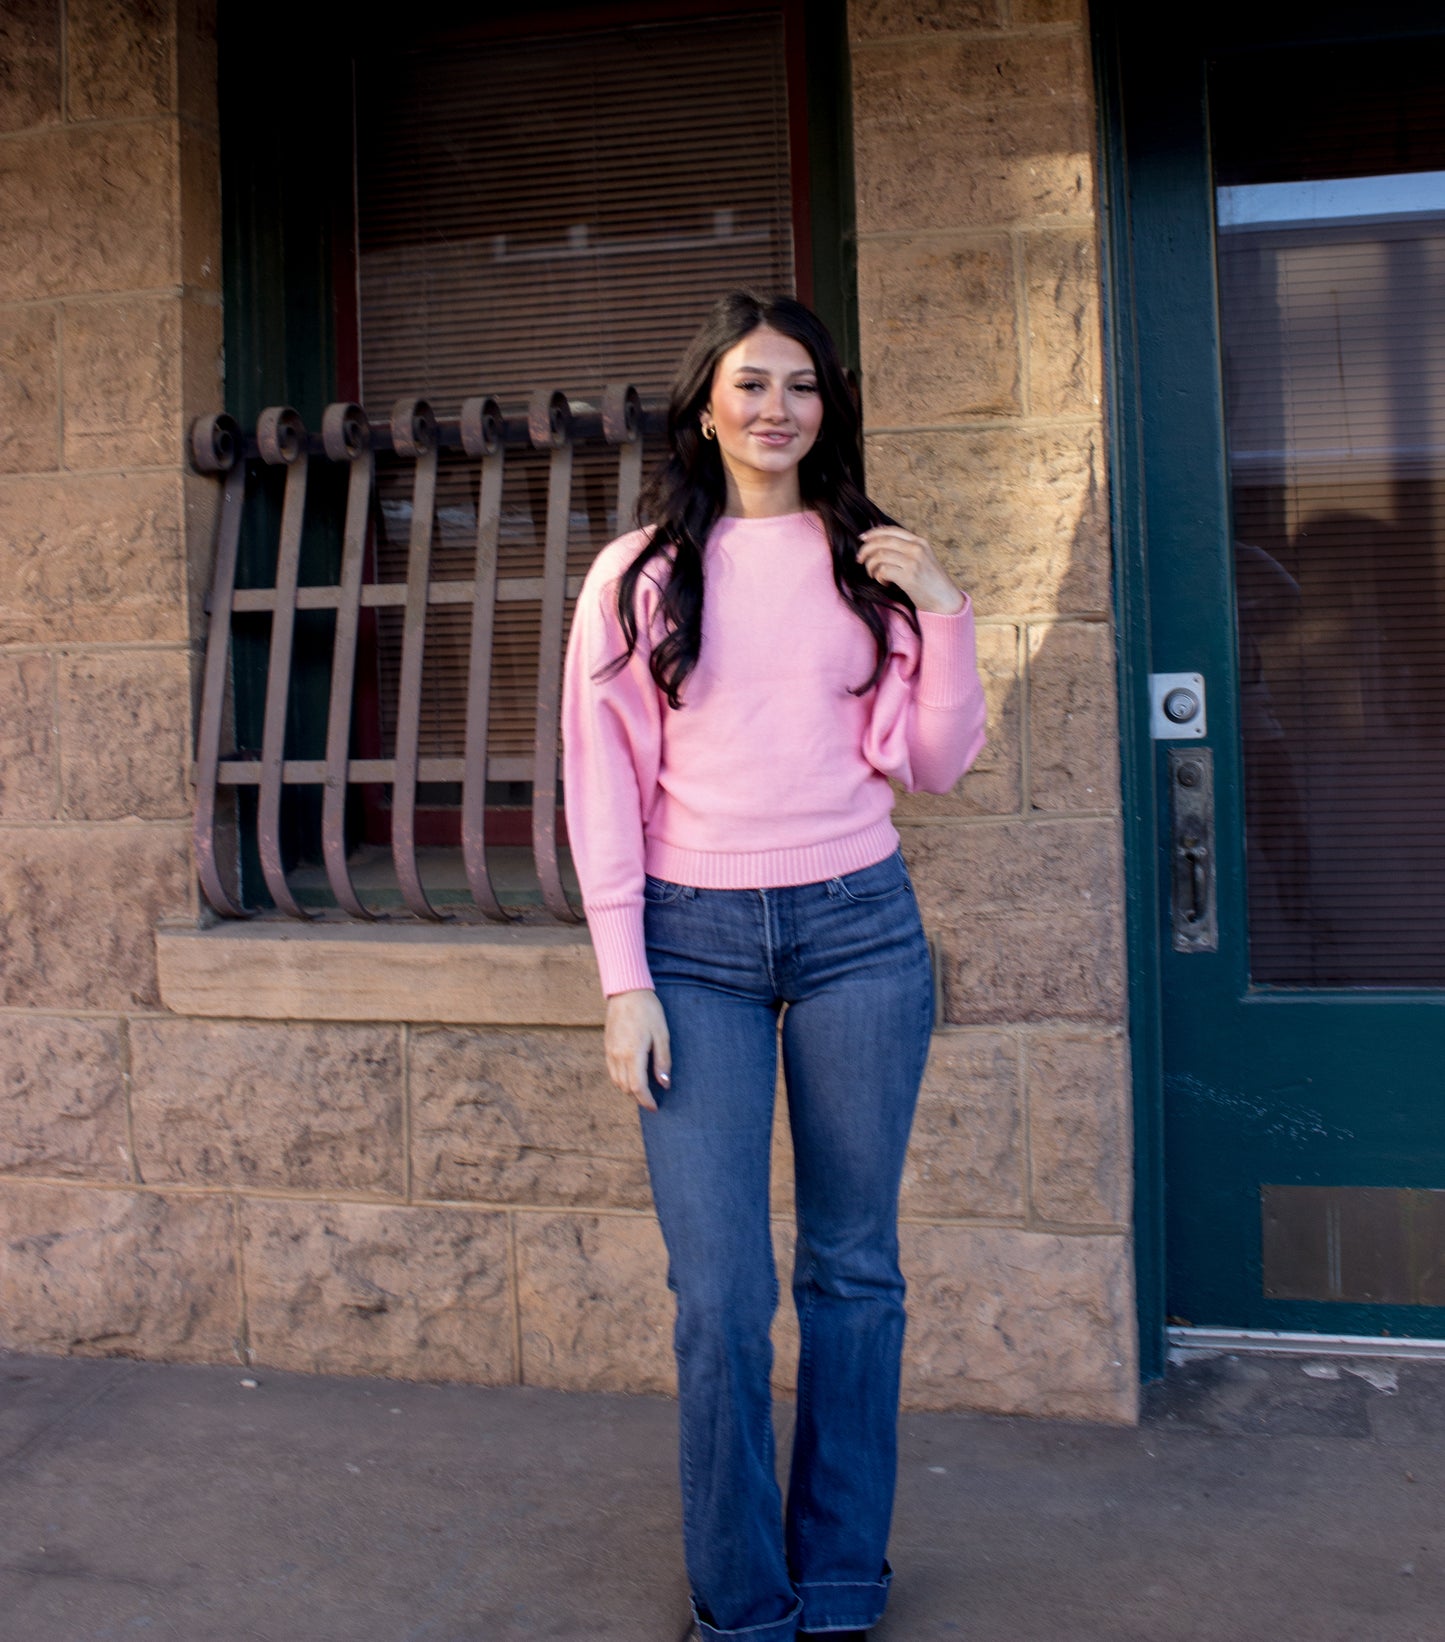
(684, 498)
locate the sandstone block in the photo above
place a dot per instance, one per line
(200, 210)
(994, 785)
(1029, 918)
(243, 1103)
(94, 559)
(875, 19)
(785, 1336)
(1073, 717)
(78, 910)
(363, 1288)
(29, 390)
(29, 64)
(1061, 276)
(1080, 1154)
(956, 134)
(62, 1097)
(1019, 1322)
(522, 1117)
(118, 58)
(595, 1310)
(95, 1273)
(125, 735)
(123, 382)
(1042, 13)
(201, 373)
(88, 208)
(196, 51)
(27, 745)
(938, 327)
(1019, 514)
(967, 1154)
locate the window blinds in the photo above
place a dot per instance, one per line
(1332, 294)
(551, 212)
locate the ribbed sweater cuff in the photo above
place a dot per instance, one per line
(948, 670)
(621, 951)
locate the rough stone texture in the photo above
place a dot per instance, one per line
(1061, 274)
(878, 19)
(78, 910)
(241, 1103)
(97, 1273)
(1029, 916)
(62, 1098)
(29, 63)
(1073, 718)
(1019, 515)
(122, 382)
(125, 735)
(95, 559)
(994, 785)
(361, 1288)
(1028, 13)
(29, 390)
(200, 211)
(596, 1314)
(966, 1158)
(522, 1117)
(938, 330)
(519, 975)
(1079, 1128)
(944, 142)
(1002, 1320)
(202, 369)
(196, 60)
(27, 744)
(117, 228)
(118, 58)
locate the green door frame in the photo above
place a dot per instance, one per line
(1123, 253)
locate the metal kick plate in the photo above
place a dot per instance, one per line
(1374, 1245)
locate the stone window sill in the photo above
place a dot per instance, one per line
(472, 976)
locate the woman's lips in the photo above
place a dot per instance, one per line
(773, 438)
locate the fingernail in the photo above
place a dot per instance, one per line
(665, 1079)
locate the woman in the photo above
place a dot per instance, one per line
(743, 678)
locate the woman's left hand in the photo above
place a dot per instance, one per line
(891, 554)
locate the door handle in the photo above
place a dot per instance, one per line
(1193, 893)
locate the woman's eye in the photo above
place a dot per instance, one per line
(746, 385)
(805, 387)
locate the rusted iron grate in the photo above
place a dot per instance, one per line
(552, 423)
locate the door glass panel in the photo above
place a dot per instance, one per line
(1330, 197)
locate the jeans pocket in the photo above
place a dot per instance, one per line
(661, 892)
(879, 882)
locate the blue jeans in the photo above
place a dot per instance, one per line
(846, 964)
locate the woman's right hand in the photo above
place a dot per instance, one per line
(636, 1032)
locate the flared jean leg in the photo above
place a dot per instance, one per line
(854, 1054)
(708, 1150)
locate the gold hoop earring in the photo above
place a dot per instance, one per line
(708, 432)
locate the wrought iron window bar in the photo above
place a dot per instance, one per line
(551, 423)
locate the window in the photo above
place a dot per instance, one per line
(495, 207)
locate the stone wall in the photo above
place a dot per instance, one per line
(979, 311)
(470, 1203)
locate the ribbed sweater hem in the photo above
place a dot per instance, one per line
(772, 869)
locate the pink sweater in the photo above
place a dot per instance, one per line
(771, 772)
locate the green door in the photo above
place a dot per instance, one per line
(1285, 240)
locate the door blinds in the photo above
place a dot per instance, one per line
(558, 213)
(1332, 293)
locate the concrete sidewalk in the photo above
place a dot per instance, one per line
(1262, 1498)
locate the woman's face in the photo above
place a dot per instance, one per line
(766, 407)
